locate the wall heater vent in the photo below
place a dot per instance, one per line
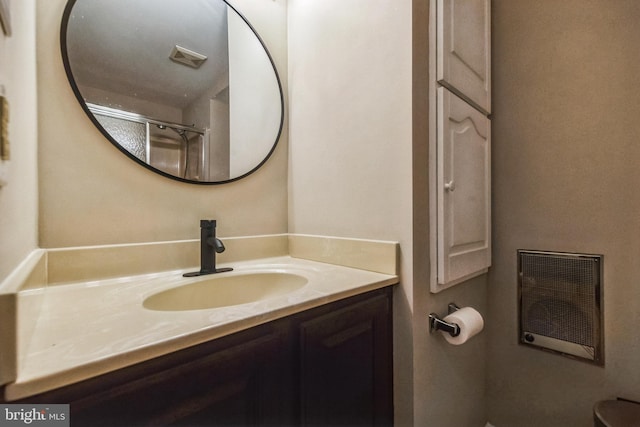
(560, 303)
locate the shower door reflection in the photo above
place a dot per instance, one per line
(175, 149)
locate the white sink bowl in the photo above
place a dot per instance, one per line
(225, 291)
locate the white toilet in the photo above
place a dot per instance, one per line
(616, 413)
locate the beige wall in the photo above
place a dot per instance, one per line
(565, 151)
(350, 133)
(358, 79)
(92, 194)
(449, 381)
(566, 156)
(358, 154)
(18, 199)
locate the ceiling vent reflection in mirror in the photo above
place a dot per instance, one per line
(187, 57)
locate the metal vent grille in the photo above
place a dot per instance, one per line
(560, 296)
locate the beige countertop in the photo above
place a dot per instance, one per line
(89, 328)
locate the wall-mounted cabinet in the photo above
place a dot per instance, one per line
(460, 141)
(463, 189)
(464, 49)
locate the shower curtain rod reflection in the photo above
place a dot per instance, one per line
(139, 118)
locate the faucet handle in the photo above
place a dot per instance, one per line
(217, 244)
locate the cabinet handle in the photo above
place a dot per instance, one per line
(450, 186)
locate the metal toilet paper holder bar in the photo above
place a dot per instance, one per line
(437, 324)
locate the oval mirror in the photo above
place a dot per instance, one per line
(184, 87)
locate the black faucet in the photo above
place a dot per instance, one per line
(210, 245)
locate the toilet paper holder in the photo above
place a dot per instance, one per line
(437, 324)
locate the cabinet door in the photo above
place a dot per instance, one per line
(463, 190)
(346, 366)
(244, 384)
(464, 49)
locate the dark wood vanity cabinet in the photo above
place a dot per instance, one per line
(328, 366)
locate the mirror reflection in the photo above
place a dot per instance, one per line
(184, 87)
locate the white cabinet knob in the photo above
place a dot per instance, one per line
(450, 186)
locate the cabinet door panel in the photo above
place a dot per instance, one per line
(464, 49)
(464, 190)
(233, 386)
(346, 367)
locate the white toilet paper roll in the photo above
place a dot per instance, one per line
(470, 321)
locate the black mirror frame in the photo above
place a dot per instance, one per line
(67, 68)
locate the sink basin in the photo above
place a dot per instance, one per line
(225, 291)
